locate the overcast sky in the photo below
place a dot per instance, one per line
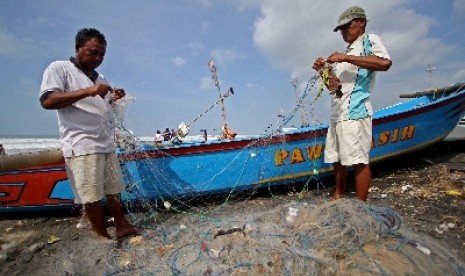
(158, 51)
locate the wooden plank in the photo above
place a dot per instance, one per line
(28, 160)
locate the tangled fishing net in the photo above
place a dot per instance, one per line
(278, 237)
(236, 233)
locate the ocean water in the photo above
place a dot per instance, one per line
(19, 145)
(28, 144)
(24, 144)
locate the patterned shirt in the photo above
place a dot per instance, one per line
(357, 83)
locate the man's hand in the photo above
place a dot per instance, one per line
(100, 89)
(319, 64)
(118, 93)
(336, 57)
(329, 79)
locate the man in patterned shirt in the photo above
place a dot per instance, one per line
(348, 142)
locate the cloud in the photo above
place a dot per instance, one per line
(251, 85)
(459, 74)
(206, 83)
(8, 43)
(205, 26)
(196, 45)
(178, 61)
(224, 55)
(459, 7)
(292, 39)
(205, 3)
(292, 34)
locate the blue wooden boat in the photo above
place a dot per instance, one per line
(198, 168)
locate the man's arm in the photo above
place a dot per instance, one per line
(371, 62)
(59, 99)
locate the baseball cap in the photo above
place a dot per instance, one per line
(350, 14)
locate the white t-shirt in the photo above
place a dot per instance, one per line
(357, 83)
(87, 126)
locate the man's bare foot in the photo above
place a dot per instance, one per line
(129, 230)
(337, 196)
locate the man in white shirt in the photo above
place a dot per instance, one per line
(83, 101)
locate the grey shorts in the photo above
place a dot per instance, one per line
(93, 176)
(349, 142)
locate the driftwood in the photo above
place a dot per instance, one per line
(28, 160)
(437, 91)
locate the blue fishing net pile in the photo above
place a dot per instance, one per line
(270, 236)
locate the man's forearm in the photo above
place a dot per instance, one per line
(370, 62)
(59, 99)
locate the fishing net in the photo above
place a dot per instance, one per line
(270, 236)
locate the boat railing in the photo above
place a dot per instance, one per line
(436, 91)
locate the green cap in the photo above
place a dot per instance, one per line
(349, 15)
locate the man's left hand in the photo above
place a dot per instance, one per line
(117, 94)
(336, 57)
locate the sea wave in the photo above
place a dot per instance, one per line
(25, 145)
(33, 144)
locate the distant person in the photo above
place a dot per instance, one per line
(158, 137)
(173, 133)
(228, 133)
(83, 100)
(352, 79)
(205, 135)
(167, 134)
(2, 150)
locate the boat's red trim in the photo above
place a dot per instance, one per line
(224, 146)
(32, 187)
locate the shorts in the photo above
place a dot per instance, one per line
(93, 176)
(349, 142)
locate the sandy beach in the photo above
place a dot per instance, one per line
(415, 214)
